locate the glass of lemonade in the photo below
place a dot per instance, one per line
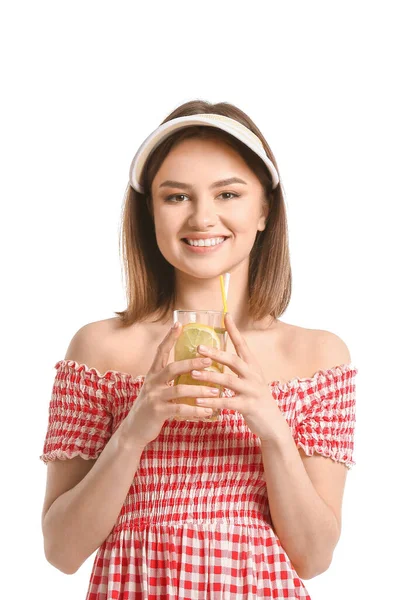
(199, 327)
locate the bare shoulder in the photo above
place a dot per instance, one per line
(329, 349)
(91, 343)
(316, 348)
(108, 344)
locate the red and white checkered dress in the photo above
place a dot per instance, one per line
(196, 523)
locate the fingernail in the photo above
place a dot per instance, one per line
(203, 348)
(206, 361)
(176, 325)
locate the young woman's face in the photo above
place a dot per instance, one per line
(236, 210)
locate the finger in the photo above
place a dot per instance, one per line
(238, 340)
(213, 403)
(236, 364)
(164, 348)
(185, 366)
(228, 380)
(189, 391)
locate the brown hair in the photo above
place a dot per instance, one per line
(150, 281)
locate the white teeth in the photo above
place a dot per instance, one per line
(208, 242)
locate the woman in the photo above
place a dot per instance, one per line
(243, 507)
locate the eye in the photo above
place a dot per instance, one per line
(229, 194)
(172, 197)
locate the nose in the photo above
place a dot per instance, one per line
(203, 215)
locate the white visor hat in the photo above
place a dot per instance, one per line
(231, 126)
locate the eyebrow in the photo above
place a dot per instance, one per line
(187, 186)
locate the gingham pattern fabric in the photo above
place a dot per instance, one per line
(196, 523)
(80, 418)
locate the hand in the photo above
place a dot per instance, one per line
(253, 397)
(154, 402)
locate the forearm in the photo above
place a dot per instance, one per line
(305, 525)
(80, 520)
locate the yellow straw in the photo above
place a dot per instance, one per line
(225, 307)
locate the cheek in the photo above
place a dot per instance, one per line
(243, 222)
(167, 236)
(166, 226)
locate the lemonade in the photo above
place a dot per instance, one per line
(193, 334)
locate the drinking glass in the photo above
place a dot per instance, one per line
(199, 327)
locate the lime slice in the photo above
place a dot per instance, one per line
(192, 335)
(186, 379)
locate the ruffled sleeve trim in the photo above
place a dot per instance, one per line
(320, 376)
(109, 375)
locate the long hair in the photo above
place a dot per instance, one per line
(150, 280)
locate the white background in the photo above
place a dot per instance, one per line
(83, 84)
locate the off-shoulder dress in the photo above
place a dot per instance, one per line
(195, 523)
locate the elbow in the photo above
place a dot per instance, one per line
(311, 569)
(318, 561)
(58, 551)
(59, 561)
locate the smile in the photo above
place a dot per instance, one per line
(204, 249)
